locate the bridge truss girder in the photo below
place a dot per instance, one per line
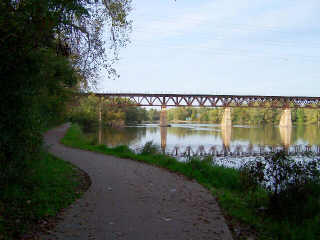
(187, 100)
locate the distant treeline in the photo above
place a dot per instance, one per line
(253, 116)
(87, 111)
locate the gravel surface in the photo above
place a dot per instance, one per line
(133, 200)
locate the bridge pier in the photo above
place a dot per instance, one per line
(226, 127)
(285, 120)
(163, 117)
(226, 118)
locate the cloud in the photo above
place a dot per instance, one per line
(230, 18)
(248, 46)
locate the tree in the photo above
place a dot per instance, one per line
(154, 115)
(47, 47)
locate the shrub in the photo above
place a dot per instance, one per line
(293, 186)
(150, 148)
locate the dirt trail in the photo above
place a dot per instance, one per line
(134, 201)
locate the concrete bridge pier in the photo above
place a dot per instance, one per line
(226, 118)
(163, 117)
(226, 128)
(285, 120)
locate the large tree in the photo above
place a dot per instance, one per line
(73, 27)
(46, 47)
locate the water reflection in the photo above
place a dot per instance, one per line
(113, 137)
(208, 135)
(163, 133)
(226, 136)
(285, 134)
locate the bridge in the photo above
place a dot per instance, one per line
(224, 101)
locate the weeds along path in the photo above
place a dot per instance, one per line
(133, 200)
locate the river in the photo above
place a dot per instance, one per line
(203, 139)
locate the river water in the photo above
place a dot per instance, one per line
(212, 139)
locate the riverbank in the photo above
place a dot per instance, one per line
(133, 200)
(244, 213)
(222, 182)
(30, 205)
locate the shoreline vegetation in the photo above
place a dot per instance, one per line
(246, 204)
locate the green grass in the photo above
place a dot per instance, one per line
(50, 185)
(240, 207)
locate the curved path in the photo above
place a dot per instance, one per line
(134, 201)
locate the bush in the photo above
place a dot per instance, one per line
(293, 186)
(149, 148)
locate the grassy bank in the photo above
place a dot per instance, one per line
(30, 204)
(244, 210)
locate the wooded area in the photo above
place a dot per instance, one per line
(49, 49)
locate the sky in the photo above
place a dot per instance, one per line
(254, 47)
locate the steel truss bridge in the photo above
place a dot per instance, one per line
(242, 151)
(191, 100)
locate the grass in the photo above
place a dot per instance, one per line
(243, 210)
(50, 185)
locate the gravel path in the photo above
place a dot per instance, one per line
(136, 201)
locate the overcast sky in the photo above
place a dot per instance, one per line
(263, 47)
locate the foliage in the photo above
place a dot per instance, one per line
(135, 114)
(253, 116)
(32, 98)
(293, 186)
(150, 148)
(47, 47)
(87, 112)
(50, 186)
(153, 115)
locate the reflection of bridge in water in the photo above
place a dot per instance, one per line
(227, 102)
(226, 149)
(229, 149)
(240, 150)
